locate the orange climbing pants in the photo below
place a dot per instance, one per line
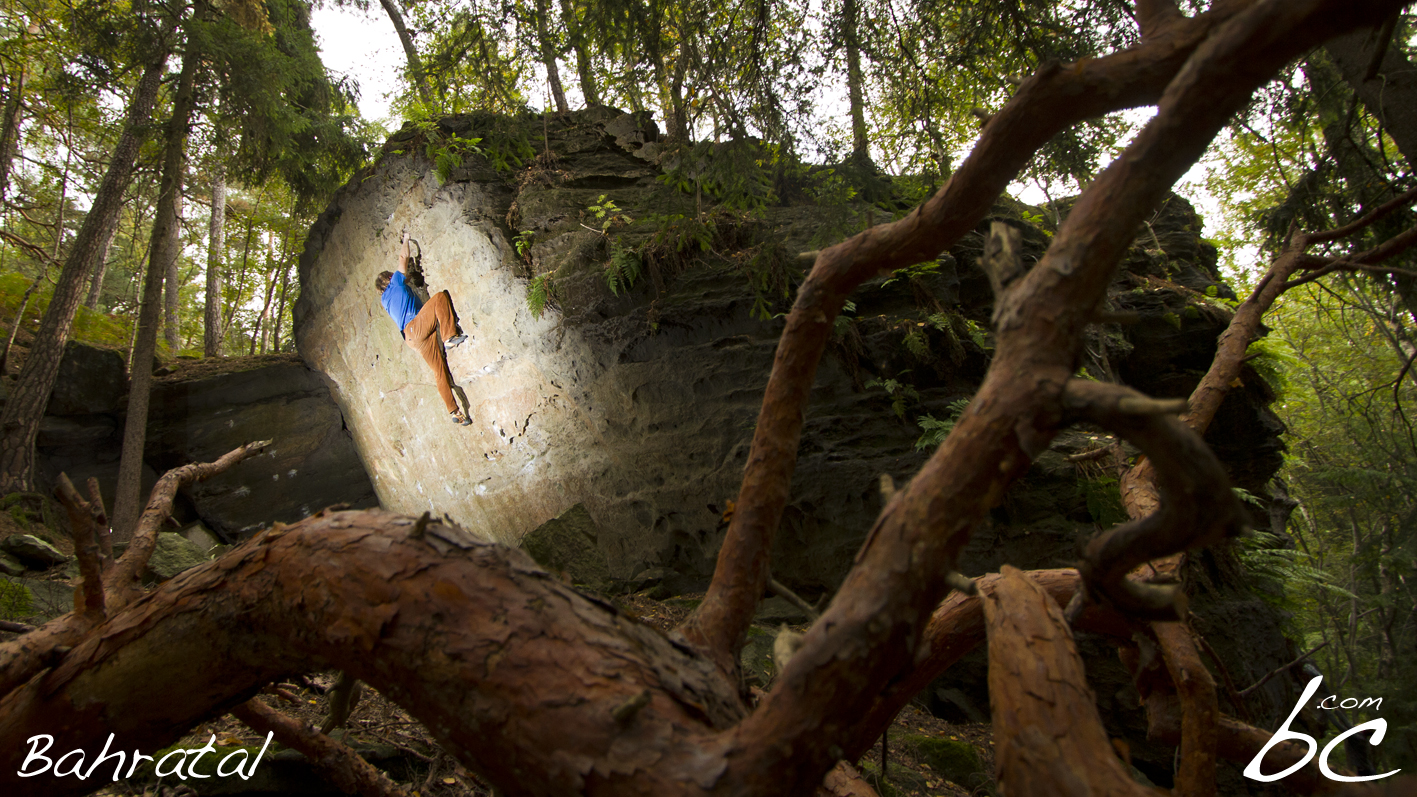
(425, 334)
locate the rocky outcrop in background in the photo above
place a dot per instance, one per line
(198, 413)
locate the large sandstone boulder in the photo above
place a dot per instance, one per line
(639, 406)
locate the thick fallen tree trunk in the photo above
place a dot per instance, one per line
(539, 687)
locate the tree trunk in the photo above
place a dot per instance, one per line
(415, 65)
(10, 122)
(101, 268)
(548, 56)
(576, 30)
(860, 150)
(280, 308)
(164, 250)
(53, 258)
(1048, 735)
(172, 303)
(19, 423)
(1390, 93)
(211, 318)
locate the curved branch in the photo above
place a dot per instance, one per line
(121, 582)
(1048, 735)
(870, 633)
(1197, 507)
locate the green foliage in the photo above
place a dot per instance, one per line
(843, 321)
(523, 243)
(1104, 500)
(623, 269)
(937, 430)
(1267, 555)
(91, 327)
(735, 175)
(16, 602)
(916, 271)
(916, 342)
(607, 214)
(902, 395)
(1273, 360)
(449, 155)
(978, 334)
(538, 294)
(683, 234)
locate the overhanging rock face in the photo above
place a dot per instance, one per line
(640, 406)
(643, 422)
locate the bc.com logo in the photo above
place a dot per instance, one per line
(1377, 726)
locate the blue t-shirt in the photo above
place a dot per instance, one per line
(400, 302)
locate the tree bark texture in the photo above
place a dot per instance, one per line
(1048, 736)
(585, 70)
(164, 249)
(101, 267)
(1390, 94)
(10, 117)
(415, 64)
(172, 278)
(872, 627)
(543, 688)
(855, 89)
(548, 55)
(216, 246)
(19, 422)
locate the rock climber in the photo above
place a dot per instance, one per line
(427, 328)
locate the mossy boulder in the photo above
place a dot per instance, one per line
(570, 543)
(33, 551)
(172, 554)
(15, 600)
(954, 760)
(900, 780)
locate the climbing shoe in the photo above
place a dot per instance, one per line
(454, 340)
(459, 418)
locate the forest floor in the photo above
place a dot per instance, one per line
(405, 750)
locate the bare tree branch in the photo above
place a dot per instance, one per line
(1053, 99)
(340, 765)
(1048, 736)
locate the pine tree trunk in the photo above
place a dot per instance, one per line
(19, 423)
(1390, 93)
(548, 56)
(10, 123)
(172, 303)
(860, 151)
(211, 318)
(576, 30)
(164, 249)
(415, 66)
(101, 268)
(280, 307)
